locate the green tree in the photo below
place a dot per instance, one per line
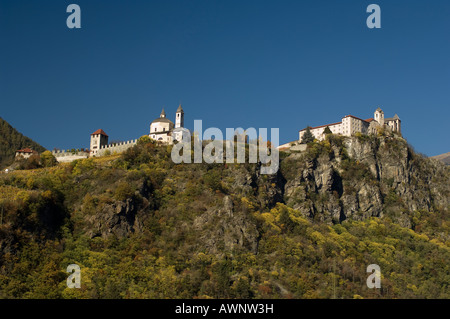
(123, 191)
(327, 131)
(286, 222)
(47, 159)
(307, 137)
(213, 179)
(32, 162)
(145, 139)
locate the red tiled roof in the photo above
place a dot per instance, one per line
(311, 128)
(100, 131)
(26, 150)
(353, 117)
(368, 120)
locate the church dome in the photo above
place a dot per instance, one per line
(162, 120)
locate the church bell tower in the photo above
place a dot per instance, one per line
(179, 117)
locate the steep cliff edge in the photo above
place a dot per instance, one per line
(363, 176)
(141, 226)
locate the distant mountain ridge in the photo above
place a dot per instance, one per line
(444, 158)
(12, 140)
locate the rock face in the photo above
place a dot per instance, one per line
(364, 177)
(444, 158)
(117, 219)
(344, 178)
(120, 218)
(227, 228)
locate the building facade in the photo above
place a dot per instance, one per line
(25, 153)
(164, 130)
(350, 125)
(98, 139)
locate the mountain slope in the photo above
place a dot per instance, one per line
(444, 158)
(11, 140)
(140, 226)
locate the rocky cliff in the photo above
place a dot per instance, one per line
(342, 178)
(221, 230)
(360, 177)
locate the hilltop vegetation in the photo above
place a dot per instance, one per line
(140, 226)
(11, 141)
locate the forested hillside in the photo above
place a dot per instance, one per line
(11, 141)
(140, 226)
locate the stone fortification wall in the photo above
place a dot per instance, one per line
(116, 147)
(64, 156)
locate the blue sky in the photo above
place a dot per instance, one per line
(247, 63)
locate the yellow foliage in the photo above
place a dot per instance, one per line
(30, 183)
(317, 237)
(270, 219)
(23, 196)
(412, 287)
(247, 203)
(9, 192)
(47, 194)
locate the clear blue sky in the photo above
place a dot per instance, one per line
(246, 63)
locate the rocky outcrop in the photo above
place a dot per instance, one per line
(224, 228)
(364, 177)
(119, 219)
(348, 178)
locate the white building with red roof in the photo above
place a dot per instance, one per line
(350, 125)
(25, 153)
(98, 139)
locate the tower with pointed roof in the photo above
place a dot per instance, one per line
(98, 139)
(162, 129)
(179, 117)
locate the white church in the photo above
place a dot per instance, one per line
(350, 125)
(161, 129)
(165, 131)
